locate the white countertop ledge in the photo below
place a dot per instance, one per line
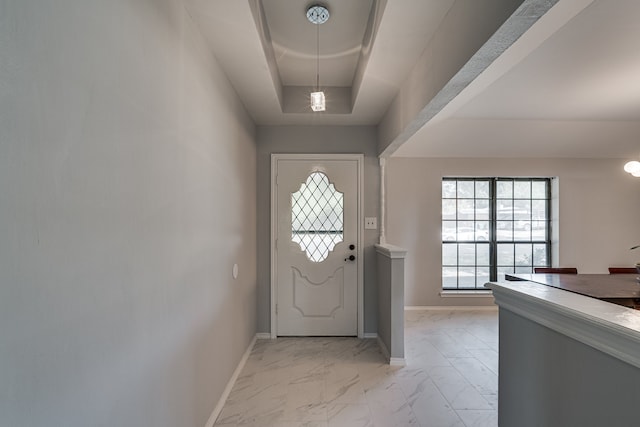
(391, 251)
(608, 327)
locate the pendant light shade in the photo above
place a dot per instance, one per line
(317, 101)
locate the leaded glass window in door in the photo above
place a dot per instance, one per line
(317, 217)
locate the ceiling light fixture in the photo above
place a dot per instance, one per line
(633, 167)
(318, 14)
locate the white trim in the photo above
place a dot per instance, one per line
(359, 158)
(397, 361)
(466, 294)
(370, 335)
(263, 335)
(227, 390)
(451, 308)
(391, 251)
(612, 329)
(393, 361)
(274, 228)
(383, 200)
(360, 218)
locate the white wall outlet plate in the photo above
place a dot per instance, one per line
(370, 223)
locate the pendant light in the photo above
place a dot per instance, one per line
(317, 15)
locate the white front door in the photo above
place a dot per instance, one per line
(316, 249)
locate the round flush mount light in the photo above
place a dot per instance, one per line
(632, 166)
(317, 14)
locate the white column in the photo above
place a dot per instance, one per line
(383, 201)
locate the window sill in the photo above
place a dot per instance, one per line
(467, 294)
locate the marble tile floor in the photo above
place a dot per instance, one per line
(450, 378)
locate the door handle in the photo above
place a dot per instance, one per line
(350, 258)
(352, 247)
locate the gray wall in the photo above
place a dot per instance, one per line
(316, 139)
(548, 379)
(596, 222)
(391, 303)
(127, 192)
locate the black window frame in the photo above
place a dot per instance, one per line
(493, 232)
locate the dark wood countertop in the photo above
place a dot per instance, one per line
(602, 286)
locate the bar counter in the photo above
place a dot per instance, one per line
(622, 289)
(565, 359)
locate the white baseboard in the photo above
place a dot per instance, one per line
(451, 307)
(397, 361)
(370, 335)
(393, 361)
(466, 294)
(263, 336)
(230, 384)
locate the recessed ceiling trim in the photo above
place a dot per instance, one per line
(257, 9)
(340, 99)
(377, 10)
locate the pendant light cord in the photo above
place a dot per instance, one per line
(317, 56)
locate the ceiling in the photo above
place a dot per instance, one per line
(568, 87)
(267, 46)
(294, 41)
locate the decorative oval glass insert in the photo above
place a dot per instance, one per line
(317, 217)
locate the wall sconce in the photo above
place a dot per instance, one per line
(633, 167)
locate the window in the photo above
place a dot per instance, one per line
(317, 217)
(493, 226)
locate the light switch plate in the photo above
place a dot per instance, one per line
(370, 223)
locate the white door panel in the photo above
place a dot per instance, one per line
(317, 232)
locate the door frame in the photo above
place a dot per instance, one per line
(359, 158)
